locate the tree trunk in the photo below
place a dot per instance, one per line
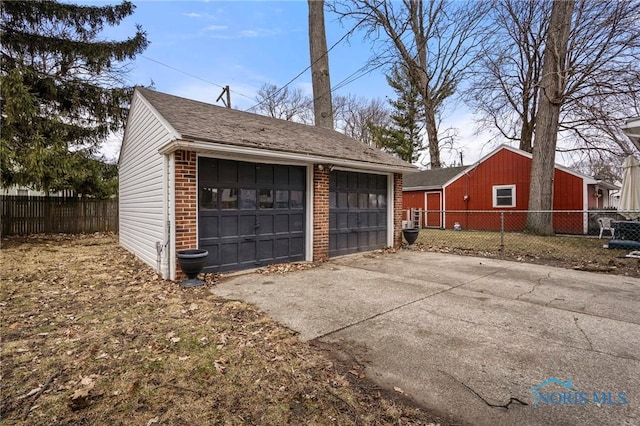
(322, 108)
(526, 136)
(540, 218)
(432, 137)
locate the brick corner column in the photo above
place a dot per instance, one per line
(397, 210)
(185, 204)
(320, 214)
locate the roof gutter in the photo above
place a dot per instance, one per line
(423, 188)
(207, 147)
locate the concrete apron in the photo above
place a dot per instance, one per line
(468, 337)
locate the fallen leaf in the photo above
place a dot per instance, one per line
(88, 382)
(153, 420)
(219, 365)
(134, 387)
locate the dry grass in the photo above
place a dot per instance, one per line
(577, 252)
(92, 336)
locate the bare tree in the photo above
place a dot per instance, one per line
(552, 93)
(436, 40)
(505, 83)
(319, 65)
(602, 74)
(355, 116)
(285, 104)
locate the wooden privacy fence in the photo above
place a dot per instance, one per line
(36, 215)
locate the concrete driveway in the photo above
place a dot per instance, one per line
(471, 339)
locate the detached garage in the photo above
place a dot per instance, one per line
(251, 190)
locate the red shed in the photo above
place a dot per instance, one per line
(499, 182)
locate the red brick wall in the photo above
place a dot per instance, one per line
(397, 210)
(186, 203)
(321, 213)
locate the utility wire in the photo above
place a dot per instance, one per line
(348, 33)
(195, 76)
(362, 71)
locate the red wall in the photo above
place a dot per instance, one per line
(413, 200)
(506, 167)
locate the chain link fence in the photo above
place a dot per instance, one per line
(580, 235)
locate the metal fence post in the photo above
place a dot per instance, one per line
(501, 231)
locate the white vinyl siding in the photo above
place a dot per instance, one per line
(142, 187)
(504, 196)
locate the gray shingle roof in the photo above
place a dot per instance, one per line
(204, 122)
(433, 178)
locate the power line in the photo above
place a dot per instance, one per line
(194, 76)
(348, 33)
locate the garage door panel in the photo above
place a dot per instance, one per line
(357, 212)
(247, 251)
(296, 177)
(209, 228)
(250, 214)
(265, 249)
(227, 171)
(296, 222)
(229, 253)
(333, 220)
(342, 220)
(352, 239)
(363, 219)
(282, 248)
(281, 176)
(265, 174)
(247, 225)
(281, 223)
(246, 173)
(382, 219)
(266, 224)
(296, 246)
(342, 241)
(228, 226)
(214, 254)
(343, 200)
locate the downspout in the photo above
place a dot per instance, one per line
(171, 214)
(162, 251)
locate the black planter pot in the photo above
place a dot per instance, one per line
(411, 235)
(191, 262)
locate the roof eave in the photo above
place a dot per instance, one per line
(222, 148)
(607, 185)
(423, 188)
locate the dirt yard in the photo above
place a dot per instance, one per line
(571, 252)
(90, 335)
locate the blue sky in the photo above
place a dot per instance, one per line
(245, 44)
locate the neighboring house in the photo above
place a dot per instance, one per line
(250, 189)
(500, 182)
(632, 129)
(26, 191)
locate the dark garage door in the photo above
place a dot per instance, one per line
(357, 212)
(250, 214)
